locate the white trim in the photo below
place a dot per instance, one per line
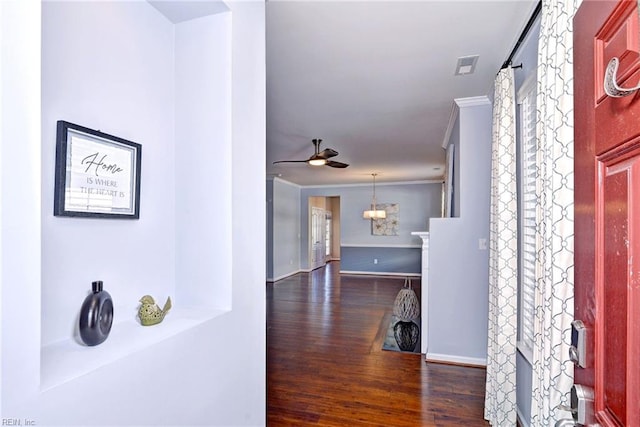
(378, 184)
(521, 419)
(302, 270)
(526, 87)
(284, 181)
(459, 360)
(472, 101)
(379, 273)
(421, 234)
(526, 352)
(380, 245)
(283, 276)
(447, 209)
(452, 120)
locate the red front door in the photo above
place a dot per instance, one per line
(607, 209)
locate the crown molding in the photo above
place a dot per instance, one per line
(458, 103)
(284, 181)
(378, 184)
(472, 101)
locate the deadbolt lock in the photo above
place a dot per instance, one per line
(578, 349)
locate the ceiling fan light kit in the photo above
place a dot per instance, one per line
(317, 161)
(319, 158)
(374, 213)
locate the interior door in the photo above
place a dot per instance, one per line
(317, 237)
(607, 209)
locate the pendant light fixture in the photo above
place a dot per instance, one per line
(374, 213)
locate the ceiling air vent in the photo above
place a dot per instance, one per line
(466, 65)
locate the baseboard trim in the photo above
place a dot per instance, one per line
(363, 273)
(284, 276)
(380, 273)
(456, 360)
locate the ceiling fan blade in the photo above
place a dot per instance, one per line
(327, 153)
(291, 161)
(319, 157)
(334, 164)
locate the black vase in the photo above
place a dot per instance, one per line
(96, 316)
(406, 335)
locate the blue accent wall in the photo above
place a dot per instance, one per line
(417, 203)
(524, 386)
(390, 260)
(285, 228)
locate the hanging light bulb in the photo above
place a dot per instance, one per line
(374, 213)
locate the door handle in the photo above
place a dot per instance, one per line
(581, 409)
(582, 402)
(611, 86)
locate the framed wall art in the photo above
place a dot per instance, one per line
(386, 226)
(97, 175)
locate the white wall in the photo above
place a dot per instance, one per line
(123, 84)
(117, 77)
(458, 268)
(243, 370)
(203, 161)
(20, 235)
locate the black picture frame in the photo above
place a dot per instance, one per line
(97, 174)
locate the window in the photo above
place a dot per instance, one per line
(527, 219)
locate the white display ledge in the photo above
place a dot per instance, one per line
(422, 234)
(66, 360)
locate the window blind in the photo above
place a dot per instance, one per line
(527, 222)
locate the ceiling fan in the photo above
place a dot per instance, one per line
(319, 158)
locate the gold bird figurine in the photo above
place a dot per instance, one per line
(150, 313)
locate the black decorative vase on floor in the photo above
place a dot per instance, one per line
(96, 316)
(406, 335)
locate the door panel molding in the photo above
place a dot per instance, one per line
(607, 208)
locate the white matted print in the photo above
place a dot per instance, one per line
(386, 226)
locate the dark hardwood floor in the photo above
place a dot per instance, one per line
(326, 366)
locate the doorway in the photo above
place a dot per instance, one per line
(324, 230)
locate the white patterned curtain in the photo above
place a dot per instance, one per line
(552, 370)
(500, 396)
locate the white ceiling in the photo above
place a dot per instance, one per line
(375, 80)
